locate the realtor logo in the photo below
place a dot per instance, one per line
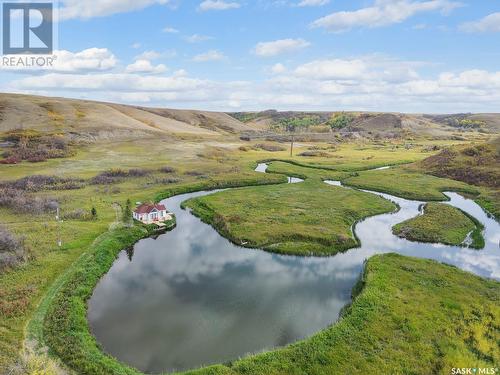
(28, 28)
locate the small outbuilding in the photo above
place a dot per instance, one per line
(150, 213)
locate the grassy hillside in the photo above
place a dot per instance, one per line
(441, 223)
(89, 121)
(474, 164)
(477, 164)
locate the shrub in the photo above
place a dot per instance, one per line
(315, 154)
(270, 147)
(78, 214)
(21, 201)
(12, 249)
(138, 172)
(10, 160)
(116, 175)
(168, 180)
(43, 182)
(167, 169)
(194, 173)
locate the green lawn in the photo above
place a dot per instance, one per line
(441, 223)
(309, 218)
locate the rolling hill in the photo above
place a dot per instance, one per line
(90, 121)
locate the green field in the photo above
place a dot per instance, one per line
(309, 218)
(441, 223)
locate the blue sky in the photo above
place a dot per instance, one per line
(381, 55)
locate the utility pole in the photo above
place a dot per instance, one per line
(59, 240)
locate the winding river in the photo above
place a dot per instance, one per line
(191, 298)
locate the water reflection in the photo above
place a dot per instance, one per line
(191, 298)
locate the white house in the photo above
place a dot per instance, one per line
(152, 213)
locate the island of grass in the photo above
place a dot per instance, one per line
(310, 218)
(441, 223)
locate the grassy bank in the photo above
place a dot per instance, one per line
(310, 218)
(441, 223)
(411, 316)
(65, 327)
(408, 316)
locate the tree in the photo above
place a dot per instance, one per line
(127, 213)
(93, 213)
(290, 126)
(340, 121)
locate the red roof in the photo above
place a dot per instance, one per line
(147, 208)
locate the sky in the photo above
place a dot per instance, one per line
(432, 56)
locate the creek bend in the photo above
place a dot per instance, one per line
(191, 298)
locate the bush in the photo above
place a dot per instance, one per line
(194, 173)
(138, 172)
(12, 249)
(42, 182)
(167, 169)
(10, 160)
(169, 180)
(315, 154)
(20, 201)
(116, 175)
(78, 214)
(270, 147)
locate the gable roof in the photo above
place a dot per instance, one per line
(148, 208)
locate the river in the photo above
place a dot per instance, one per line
(191, 298)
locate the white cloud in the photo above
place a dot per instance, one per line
(120, 82)
(154, 55)
(197, 38)
(372, 82)
(92, 59)
(170, 30)
(278, 47)
(145, 66)
(71, 9)
(382, 13)
(312, 3)
(218, 5)
(136, 45)
(278, 68)
(332, 69)
(212, 55)
(490, 23)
